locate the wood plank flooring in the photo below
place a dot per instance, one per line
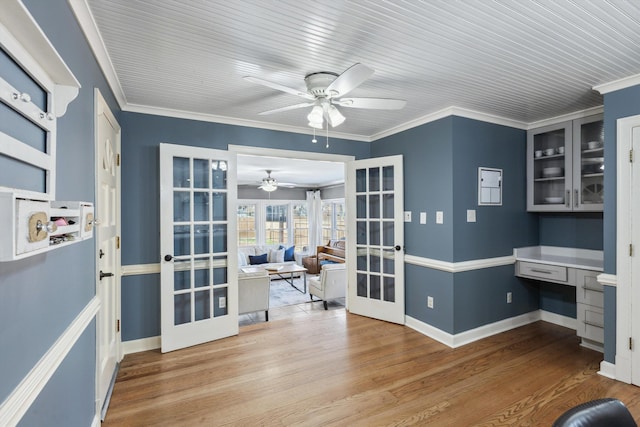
(331, 368)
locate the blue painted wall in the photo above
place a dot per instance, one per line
(618, 104)
(441, 161)
(41, 295)
(142, 135)
(575, 230)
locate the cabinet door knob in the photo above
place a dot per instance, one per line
(577, 200)
(568, 199)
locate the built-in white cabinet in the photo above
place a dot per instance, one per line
(590, 308)
(565, 166)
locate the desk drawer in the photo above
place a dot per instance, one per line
(542, 271)
(590, 322)
(588, 290)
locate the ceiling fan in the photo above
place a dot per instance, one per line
(270, 184)
(325, 92)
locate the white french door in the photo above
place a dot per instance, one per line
(634, 224)
(375, 240)
(199, 284)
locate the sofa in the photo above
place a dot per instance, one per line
(254, 256)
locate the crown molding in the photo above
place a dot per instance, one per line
(88, 24)
(618, 84)
(190, 115)
(566, 117)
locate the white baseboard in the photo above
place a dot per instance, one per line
(23, 396)
(558, 319)
(472, 335)
(96, 420)
(143, 344)
(607, 369)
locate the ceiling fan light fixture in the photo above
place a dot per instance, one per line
(335, 116)
(268, 184)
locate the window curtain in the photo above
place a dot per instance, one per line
(315, 220)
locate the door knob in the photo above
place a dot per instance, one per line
(103, 275)
(397, 247)
(168, 257)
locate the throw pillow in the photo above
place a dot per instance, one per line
(242, 261)
(276, 255)
(258, 259)
(288, 254)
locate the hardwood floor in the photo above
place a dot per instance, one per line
(331, 368)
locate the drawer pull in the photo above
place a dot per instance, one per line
(587, 288)
(535, 270)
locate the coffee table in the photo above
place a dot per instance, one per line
(282, 271)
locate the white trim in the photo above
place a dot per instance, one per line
(289, 154)
(558, 319)
(457, 267)
(472, 335)
(142, 344)
(88, 24)
(607, 369)
(566, 117)
(190, 115)
(624, 128)
(607, 279)
(622, 83)
(23, 396)
(135, 269)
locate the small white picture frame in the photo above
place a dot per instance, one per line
(489, 187)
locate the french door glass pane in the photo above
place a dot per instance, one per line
(219, 206)
(201, 239)
(389, 289)
(219, 238)
(200, 206)
(219, 176)
(200, 173)
(387, 178)
(361, 180)
(181, 172)
(182, 308)
(388, 261)
(181, 274)
(374, 261)
(388, 238)
(374, 179)
(361, 233)
(387, 205)
(374, 206)
(202, 305)
(201, 275)
(219, 276)
(374, 233)
(181, 240)
(361, 286)
(361, 259)
(219, 293)
(374, 286)
(361, 207)
(181, 202)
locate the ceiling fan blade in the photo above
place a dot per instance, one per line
(371, 103)
(349, 80)
(277, 86)
(290, 107)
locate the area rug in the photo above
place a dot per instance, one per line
(282, 293)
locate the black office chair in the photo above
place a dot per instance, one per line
(602, 412)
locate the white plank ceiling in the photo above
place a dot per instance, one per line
(520, 60)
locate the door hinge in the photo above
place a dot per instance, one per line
(631, 156)
(630, 343)
(118, 325)
(630, 249)
(118, 159)
(117, 242)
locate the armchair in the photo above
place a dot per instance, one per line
(253, 292)
(331, 284)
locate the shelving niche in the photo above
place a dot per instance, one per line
(36, 86)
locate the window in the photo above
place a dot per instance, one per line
(276, 226)
(333, 220)
(300, 226)
(261, 222)
(247, 225)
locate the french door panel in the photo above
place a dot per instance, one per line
(199, 294)
(376, 238)
(634, 219)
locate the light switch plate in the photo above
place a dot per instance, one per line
(439, 217)
(471, 215)
(407, 216)
(423, 217)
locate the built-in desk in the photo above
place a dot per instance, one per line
(571, 267)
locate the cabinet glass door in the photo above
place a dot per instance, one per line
(550, 168)
(589, 175)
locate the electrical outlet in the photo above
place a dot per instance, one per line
(407, 216)
(423, 217)
(222, 302)
(509, 297)
(439, 217)
(471, 215)
(430, 302)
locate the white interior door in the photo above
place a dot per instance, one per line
(375, 240)
(107, 245)
(634, 224)
(199, 277)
